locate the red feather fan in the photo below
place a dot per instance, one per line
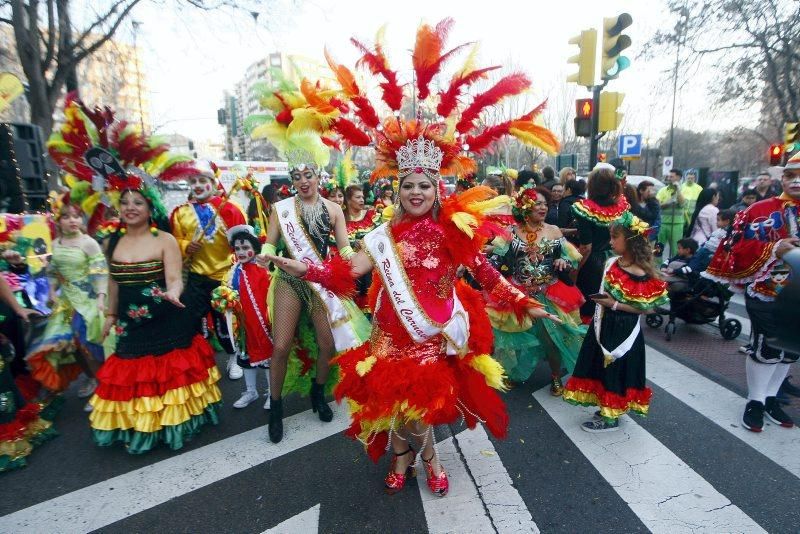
(448, 100)
(510, 85)
(351, 133)
(428, 58)
(377, 63)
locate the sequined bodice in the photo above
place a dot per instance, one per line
(142, 272)
(531, 265)
(428, 266)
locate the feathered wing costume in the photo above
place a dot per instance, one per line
(160, 383)
(401, 375)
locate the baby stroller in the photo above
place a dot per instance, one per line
(702, 303)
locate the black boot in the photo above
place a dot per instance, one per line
(318, 403)
(276, 420)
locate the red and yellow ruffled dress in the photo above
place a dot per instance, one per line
(620, 386)
(160, 384)
(392, 380)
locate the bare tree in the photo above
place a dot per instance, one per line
(752, 49)
(50, 47)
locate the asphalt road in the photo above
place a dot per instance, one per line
(689, 467)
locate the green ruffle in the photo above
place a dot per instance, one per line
(520, 352)
(173, 436)
(620, 296)
(9, 464)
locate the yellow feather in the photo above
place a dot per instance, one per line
(364, 366)
(491, 370)
(465, 222)
(534, 140)
(469, 63)
(487, 206)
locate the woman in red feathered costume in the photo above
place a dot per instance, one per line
(428, 359)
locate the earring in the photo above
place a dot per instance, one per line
(153, 227)
(123, 229)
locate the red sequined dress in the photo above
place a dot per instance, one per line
(391, 379)
(356, 230)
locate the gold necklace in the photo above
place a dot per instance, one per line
(532, 233)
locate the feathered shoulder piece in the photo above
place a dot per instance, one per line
(642, 292)
(601, 215)
(467, 222)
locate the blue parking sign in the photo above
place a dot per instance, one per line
(630, 146)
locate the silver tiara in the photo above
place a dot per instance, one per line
(420, 153)
(299, 159)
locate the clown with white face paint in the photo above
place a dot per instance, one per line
(200, 227)
(248, 323)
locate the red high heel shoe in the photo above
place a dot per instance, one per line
(394, 482)
(437, 484)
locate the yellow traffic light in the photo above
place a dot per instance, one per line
(585, 59)
(610, 117)
(614, 42)
(791, 135)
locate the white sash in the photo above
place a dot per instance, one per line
(610, 356)
(301, 248)
(381, 248)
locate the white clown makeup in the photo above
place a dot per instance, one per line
(202, 187)
(243, 250)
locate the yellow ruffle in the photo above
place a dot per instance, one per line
(583, 397)
(151, 414)
(15, 449)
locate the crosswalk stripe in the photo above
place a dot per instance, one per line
(461, 510)
(306, 522)
(665, 493)
(724, 408)
(502, 501)
(106, 502)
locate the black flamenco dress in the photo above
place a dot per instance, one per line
(160, 384)
(619, 386)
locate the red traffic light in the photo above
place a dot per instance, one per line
(583, 108)
(775, 154)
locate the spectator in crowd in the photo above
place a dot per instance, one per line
(700, 261)
(647, 208)
(556, 194)
(749, 196)
(764, 186)
(672, 203)
(566, 174)
(549, 177)
(676, 268)
(691, 192)
(573, 191)
(525, 177)
(704, 218)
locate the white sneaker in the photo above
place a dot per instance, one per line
(246, 398)
(234, 371)
(268, 402)
(88, 407)
(87, 387)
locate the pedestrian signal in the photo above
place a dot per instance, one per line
(775, 154)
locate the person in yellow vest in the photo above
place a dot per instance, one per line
(200, 227)
(672, 211)
(691, 191)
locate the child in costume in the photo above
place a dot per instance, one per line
(200, 227)
(428, 358)
(73, 338)
(535, 259)
(243, 300)
(610, 372)
(159, 386)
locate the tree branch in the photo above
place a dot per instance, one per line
(82, 53)
(51, 36)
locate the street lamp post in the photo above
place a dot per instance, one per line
(136, 24)
(680, 28)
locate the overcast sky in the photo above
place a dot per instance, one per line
(193, 56)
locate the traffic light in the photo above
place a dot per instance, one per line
(614, 42)
(585, 58)
(584, 108)
(775, 154)
(610, 117)
(791, 136)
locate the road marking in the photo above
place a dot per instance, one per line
(106, 502)
(461, 510)
(306, 522)
(665, 493)
(505, 506)
(724, 408)
(480, 486)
